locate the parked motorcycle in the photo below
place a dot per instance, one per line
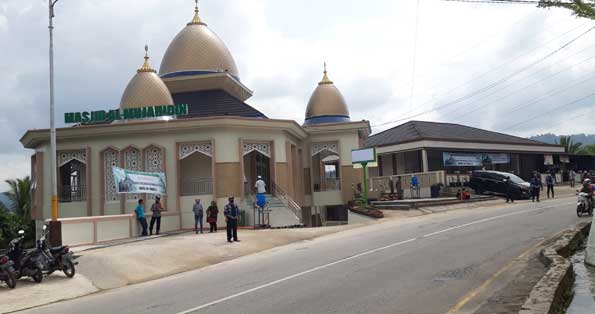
(58, 258)
(583, 206)
(27, 263)
(7, 272)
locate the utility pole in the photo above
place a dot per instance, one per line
(55, 225)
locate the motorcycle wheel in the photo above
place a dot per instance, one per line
(11, 281)
(69, 269)
(38, 277)
(579, 211)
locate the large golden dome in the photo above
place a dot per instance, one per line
(146, 89)
(197, 50)
(326, 104)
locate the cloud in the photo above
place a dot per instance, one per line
(280, 46)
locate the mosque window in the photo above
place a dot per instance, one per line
(72, 170)
(111, 158)
(154, 162)
(132, 161)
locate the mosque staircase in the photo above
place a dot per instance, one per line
(283, 212)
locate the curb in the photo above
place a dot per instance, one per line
(553, 293)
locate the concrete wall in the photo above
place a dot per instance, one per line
(328, 198)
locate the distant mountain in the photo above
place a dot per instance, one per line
(5, 201)
(549, 138)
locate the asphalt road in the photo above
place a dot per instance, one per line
(422, 265)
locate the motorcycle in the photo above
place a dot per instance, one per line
(27, 263)
(58, 258)
(583, 205)
(7, 272)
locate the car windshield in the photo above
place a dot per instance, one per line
(515, 179)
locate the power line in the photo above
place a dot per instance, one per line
(549, 111)
(486, 105)
(492, 85)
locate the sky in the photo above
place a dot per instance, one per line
(509, 68)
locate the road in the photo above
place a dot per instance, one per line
(421, 265)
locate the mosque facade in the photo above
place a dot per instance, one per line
(202, 134)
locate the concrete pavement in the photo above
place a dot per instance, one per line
(417, 265)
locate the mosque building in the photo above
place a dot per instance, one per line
(199, 131)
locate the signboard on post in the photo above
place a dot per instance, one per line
(130, 182)
(363, 157)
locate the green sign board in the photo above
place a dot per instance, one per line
(125, 114)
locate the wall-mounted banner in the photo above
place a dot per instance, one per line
(548, 160)
(496, 159)
(462, 160)
(474, 160)
(565, 159)
(125, 114)
(128, 181)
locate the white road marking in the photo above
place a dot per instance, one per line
(351, 258)
(484, 220)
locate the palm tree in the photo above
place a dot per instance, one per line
(20, 196)
(569, 145)
(580, 8)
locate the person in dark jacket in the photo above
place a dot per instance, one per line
(212, 213)
(232, 215)
(536, 187)
(509, 190)
(549, 181)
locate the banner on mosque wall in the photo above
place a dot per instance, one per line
(548, 160)
(565, 159)
(474, 160)
(126, 114)
(128, 181)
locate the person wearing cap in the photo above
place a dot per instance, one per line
(232, 215)
(260, 186)
(156, 208)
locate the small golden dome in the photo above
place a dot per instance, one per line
(146, 89)
(326, 104)
(195, 50)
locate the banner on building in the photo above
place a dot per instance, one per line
(462, 160)
(474, 160)
(565, 159)
(496, 158)
(548, 160)
(128, 181)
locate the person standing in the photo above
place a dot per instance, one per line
(260, 186)
(536, 187)
(156, 218)
(572, 178)
(232, 214)
(549, 181)
(212, 213)
(509, 191)
(198, 215)
(140, 217)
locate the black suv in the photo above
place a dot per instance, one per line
(494, 182)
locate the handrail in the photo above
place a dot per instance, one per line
(287, 200)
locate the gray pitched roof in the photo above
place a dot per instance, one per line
(422, 130)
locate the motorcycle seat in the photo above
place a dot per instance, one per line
(56, 249)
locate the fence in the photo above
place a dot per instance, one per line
(73, 193)
(390, 184)
(328, 184)
(197, 186)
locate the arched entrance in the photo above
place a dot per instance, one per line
(257, 162)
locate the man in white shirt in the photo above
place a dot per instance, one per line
(261, 186)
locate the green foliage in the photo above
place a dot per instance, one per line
(587, 150)
(580, 8)
(20, 216)
(569, 145)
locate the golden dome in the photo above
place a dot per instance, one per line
(197, 50)
(146, 89)
(326, 104)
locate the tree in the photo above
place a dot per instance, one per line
(569, 145)
(587, 150)
(580, 8)
(20, 196)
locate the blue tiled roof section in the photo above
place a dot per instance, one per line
(326, 119)
(191, 73)
(215, 103)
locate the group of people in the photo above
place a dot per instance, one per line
(231, 213)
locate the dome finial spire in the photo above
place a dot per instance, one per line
(146, 66)
(196, 20)
(325, 79)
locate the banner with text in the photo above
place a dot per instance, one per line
(128, 181)
(474, 160)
